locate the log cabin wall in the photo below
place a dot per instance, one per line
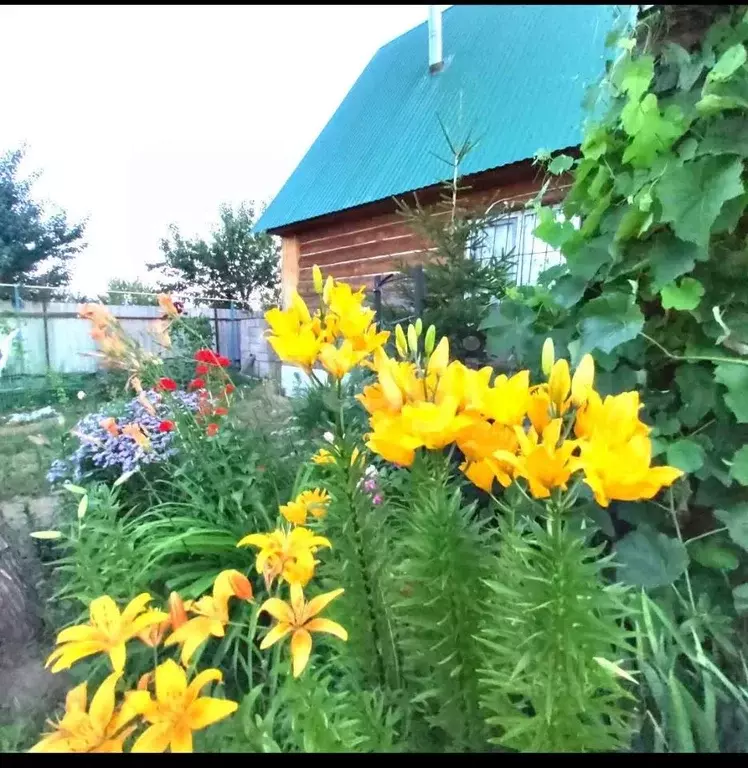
(359, 244)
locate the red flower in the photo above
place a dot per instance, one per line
(166, 426)
(221, 411)
(201, 369)
(211, 429)
(206, 356)
(204, 409)
(229, 388)
(196, 384)
(224, 362)
(168, 385)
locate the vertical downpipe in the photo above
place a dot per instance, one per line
(436, 53)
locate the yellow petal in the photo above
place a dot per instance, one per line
(135, 606)
(559, 383)
(297, 603)
(206, 711)
(118, 656)
(153, 739)
(82, 632)
(325, 625)
(171, 680)
(439, 358)
(260, 540)
(76, 699)
(200, 681)
(278, 610)
(147, 619)
(301, 648)
(105, 615)
(181, 739)
(278, 632)
(68, 654)
(316, 604)
(102, 703)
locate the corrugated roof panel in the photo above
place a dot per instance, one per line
(513, 80)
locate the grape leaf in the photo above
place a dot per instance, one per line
(725, 136)
(728, 64)
(685, 454)
(693, 194)
(560, 164)
(608, 322)
(649, 559)
(670, 258)
(634, 76)
(736, 520)
(686, 296)
(652, 132)
(735, 377)
(739, 469)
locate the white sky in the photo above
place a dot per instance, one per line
(139, 116)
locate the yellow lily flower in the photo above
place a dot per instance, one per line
(287, 555)
(479, 442)
(177, 709)
(300, 348)
(539, 408)
(100, 729)
(390, 440)
(108, 632)
(435, 425)
(507, 400)
(312, 502)
(297, 617)
(337, 361)
(623, 472)
(439, 358)
(323, 456)
(545, 465)
(167, 305)
(153, 635)
(212, 613)
(613, 421)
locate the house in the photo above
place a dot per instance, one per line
(511, 77)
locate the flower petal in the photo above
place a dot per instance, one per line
(102, 703)
(118, 656)
(181, 739)
(153, 739)
(260, 540)
(278, 609)
(77, 634)
(105, 615)
(200, 681)
(135, 606)
(76, 699)
(278, 632)
(325, 625)
(206, 711)
(68, 654)
(171, 680)
(316, 604)
(143, 621)
(301, 648)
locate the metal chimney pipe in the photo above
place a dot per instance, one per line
(436, 54)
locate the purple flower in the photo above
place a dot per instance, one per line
(99, 449)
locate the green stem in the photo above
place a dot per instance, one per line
(692, 358)
(674, 516)
(704, 535)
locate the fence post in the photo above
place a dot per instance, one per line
(215, 325)
(16, 297)
(419, 289)
(45, 322)
(235, 350)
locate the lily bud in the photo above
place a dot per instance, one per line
(581, 382)
(559, 384)
(548, 357)
(439, 360)
(413, 339)
(317, 278)
(241, 585)
(429, 340)
(177, 612)
(327, 290)
(419, 326)
(401, 343)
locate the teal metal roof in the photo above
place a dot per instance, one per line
(514, 79)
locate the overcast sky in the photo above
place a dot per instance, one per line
(139, 116)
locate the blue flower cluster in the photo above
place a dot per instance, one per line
(99, 449)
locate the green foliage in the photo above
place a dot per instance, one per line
(443, 562)
(123, 292)
(237, 264)
(553, 630)
(34, 249)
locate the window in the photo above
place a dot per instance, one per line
(513, 233)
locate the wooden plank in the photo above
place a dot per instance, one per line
(289, 267)
(377, 265)
(360, 253)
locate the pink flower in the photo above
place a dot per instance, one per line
(377, 499)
